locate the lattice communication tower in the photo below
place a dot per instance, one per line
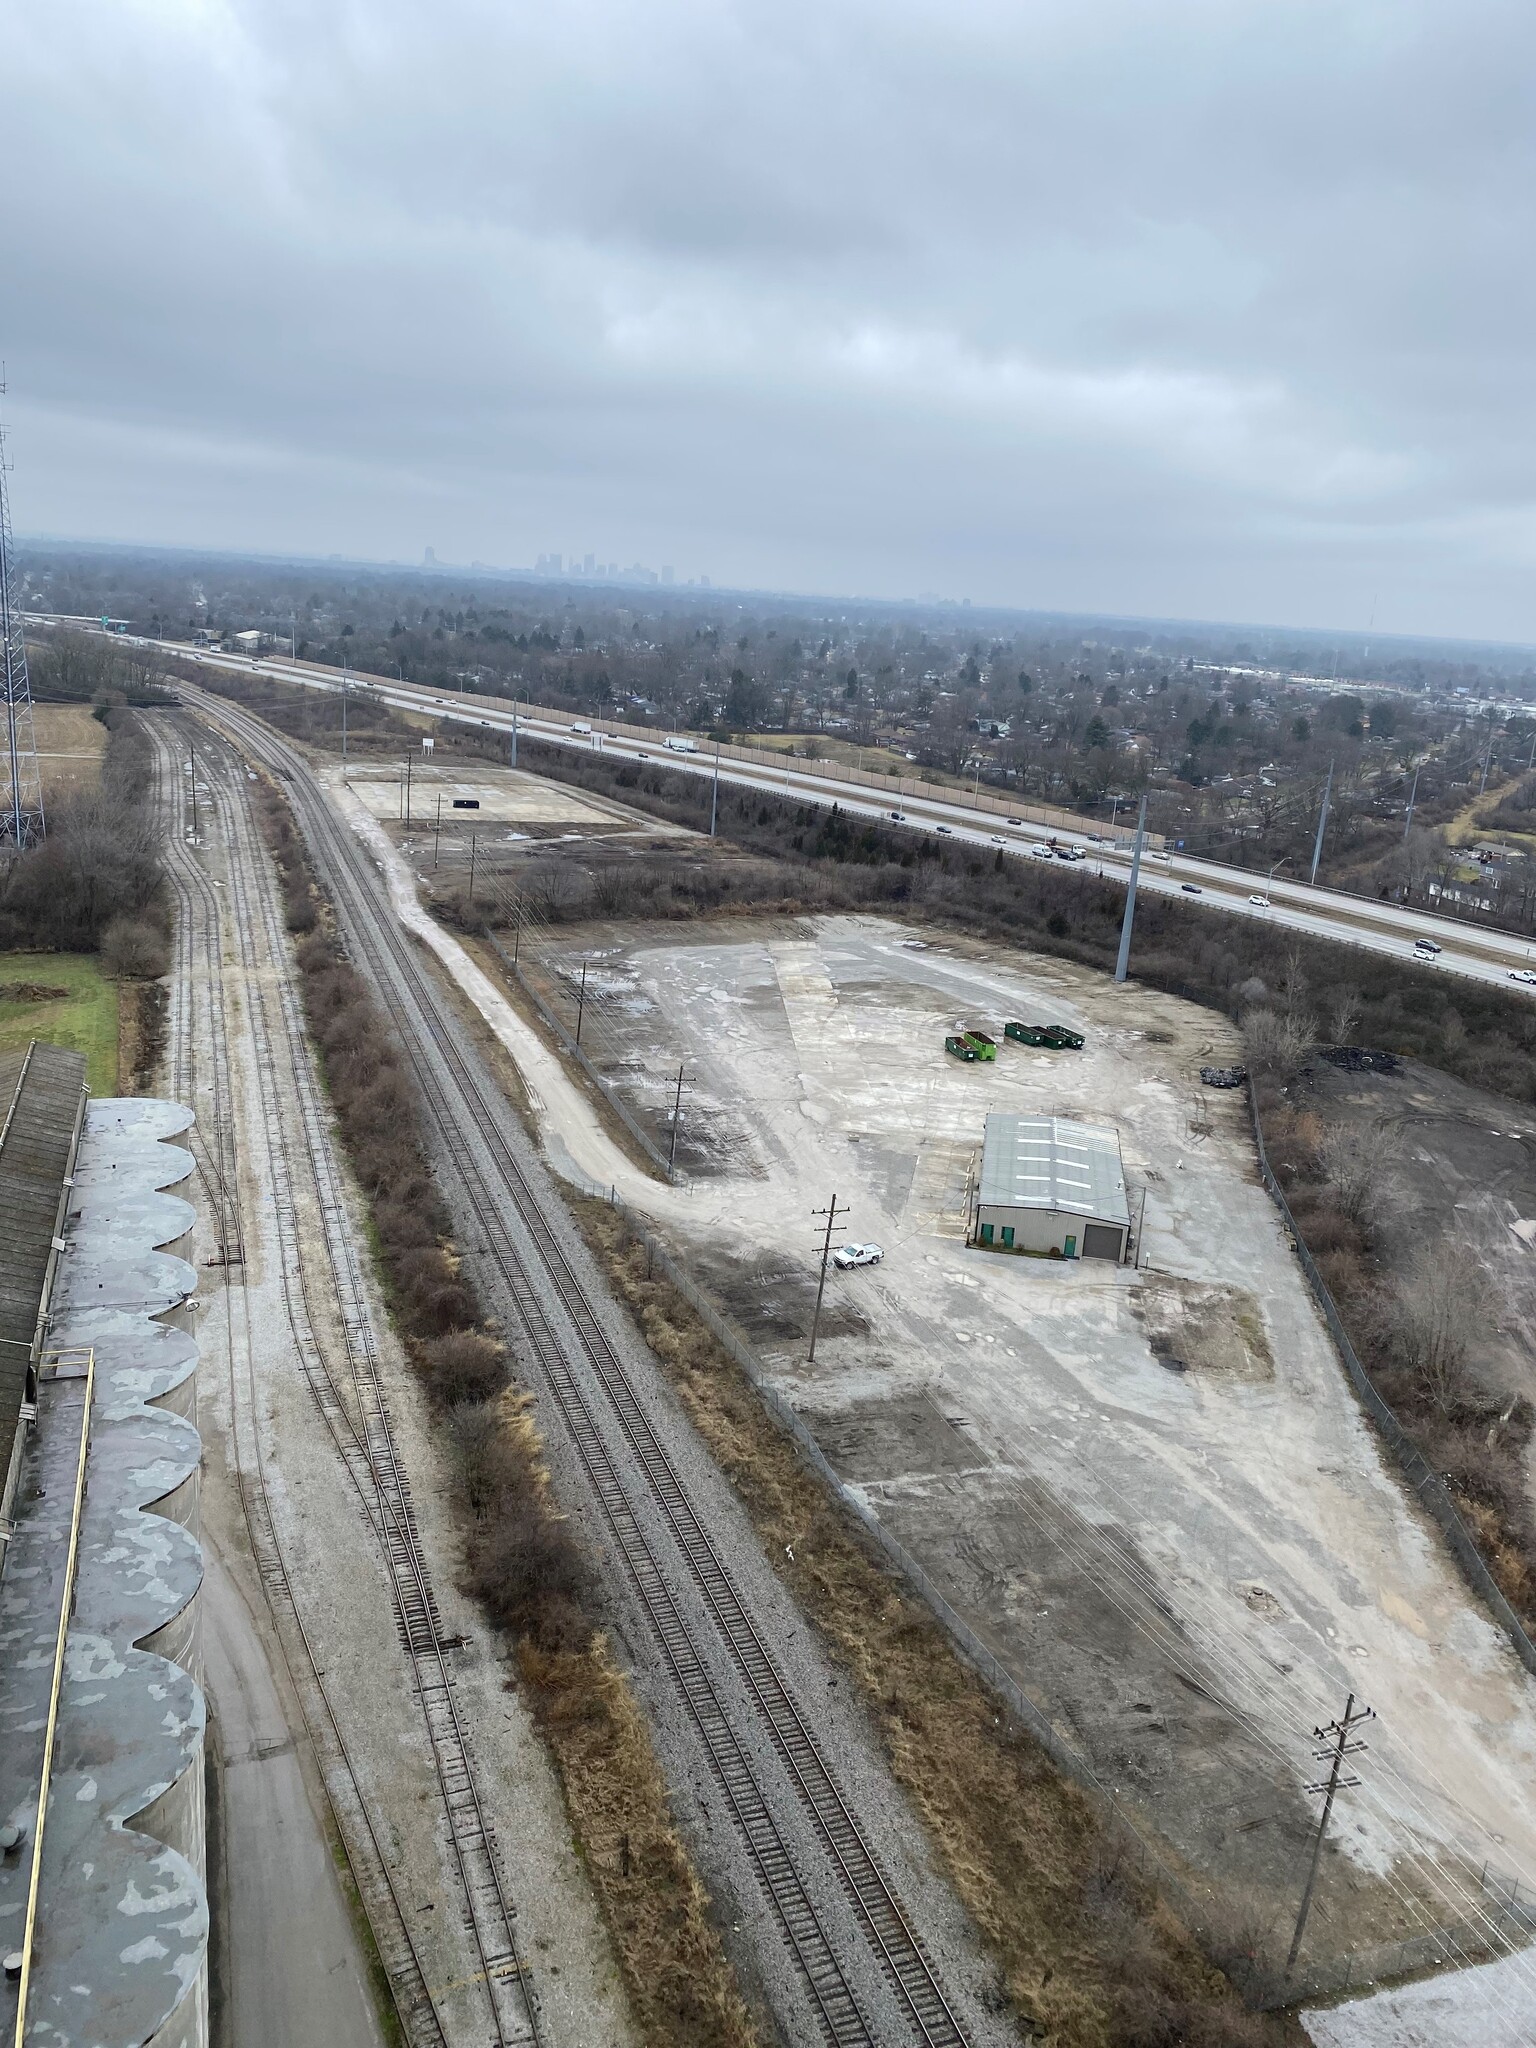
(21, 790)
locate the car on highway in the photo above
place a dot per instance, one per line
(897, 817)
(1427, 947)
(579, 726)
(994, 840)
(1192, 889)
(1070, 853)
(848, 1256)
(1040, 852)
(1524, 976)
(1259, 902)
(947, 830)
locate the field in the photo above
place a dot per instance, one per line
(70, 743)
(68, 1001)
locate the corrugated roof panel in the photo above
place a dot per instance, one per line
(42, 1092)
(1045, 1162)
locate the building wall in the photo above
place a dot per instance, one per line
(1035, 1230)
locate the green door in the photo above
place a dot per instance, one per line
(1008, 1236)
(986, 1233)
(1071, 1250)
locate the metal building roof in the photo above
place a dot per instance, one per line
(1046, 1162)
(42, 1095)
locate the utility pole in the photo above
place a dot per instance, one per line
(472, 870)
(677, 1117)
(192, 761)
(1413, 797)
(1337, 1736)
(831, 1212)
(714, 795)
(513, 762)
(517, 925)
(437, 827)
(407, 792)
(1122, 964)
(581, 1001)
(1322, 824)
(346, 679)
(1487, 758)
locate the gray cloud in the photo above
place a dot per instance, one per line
(1212, 308)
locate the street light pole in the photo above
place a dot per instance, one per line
(1123, 962)
(1413, 797)
(1322, 825)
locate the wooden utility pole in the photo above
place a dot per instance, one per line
(437, 827)
(831, 1212)
(677, 1115)
(407, 791)
(192, 757)
(581, 1001)
(1337, 1737)
(714, 795)
(471, 870)
(517, 926)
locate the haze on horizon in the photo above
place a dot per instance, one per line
(1214, 310)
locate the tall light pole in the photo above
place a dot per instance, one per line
(714, 794)
(1122, 964)
(1322, 824)
(1413, 797)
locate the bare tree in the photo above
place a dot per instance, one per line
(1341, 1012)
(1431, 1319)
(1359, 1163)
(1275, 1044)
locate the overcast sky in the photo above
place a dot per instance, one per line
(1192, 307)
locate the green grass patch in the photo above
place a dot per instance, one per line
(83, 1017)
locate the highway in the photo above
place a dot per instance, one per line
(1289, 905)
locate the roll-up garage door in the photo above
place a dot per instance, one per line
(1101, 1241)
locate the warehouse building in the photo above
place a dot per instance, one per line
(1053, 1188)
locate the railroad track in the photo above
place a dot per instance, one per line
(368, 1453)
(470, 1121)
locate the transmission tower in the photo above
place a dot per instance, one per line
(21, 797)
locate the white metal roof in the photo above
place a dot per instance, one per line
(1046, 1162)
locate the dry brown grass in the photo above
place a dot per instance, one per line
(1084, 1953)
(70, 743)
